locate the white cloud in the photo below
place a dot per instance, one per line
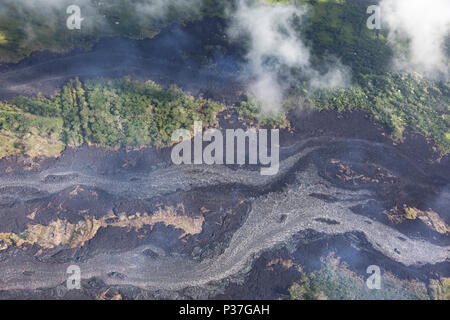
(274, 44)
(426, 24)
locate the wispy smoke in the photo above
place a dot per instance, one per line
(45, 6)
(161, 8)
(52, 12)
(418, 30)
(274, 46)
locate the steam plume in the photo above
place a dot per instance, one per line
(274, 46)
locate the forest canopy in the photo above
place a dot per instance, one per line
(106, 113)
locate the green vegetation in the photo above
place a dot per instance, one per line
(250, 110)
(334, 281)
(107, 113)
(117, 113)
(338, 27)
(36, 27)
(396, 101)
(22, 132)
(440, 289)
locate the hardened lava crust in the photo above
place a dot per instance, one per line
(141, 227)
